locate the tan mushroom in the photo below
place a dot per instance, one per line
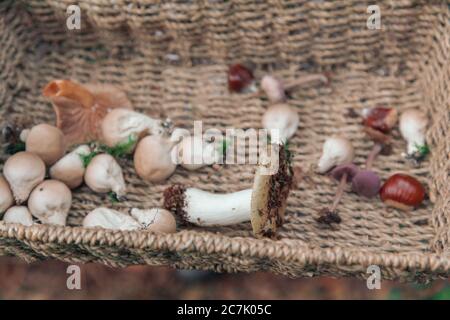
(47, 142)
(152, 158)
(81, 108)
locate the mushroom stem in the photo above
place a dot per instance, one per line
(376, 149)
(205, 208)
(339, 192)
(305, 79)
(70, 90)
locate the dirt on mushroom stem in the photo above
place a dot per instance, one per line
(280, 186)
(175, 201)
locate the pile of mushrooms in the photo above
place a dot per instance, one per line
(25, 194)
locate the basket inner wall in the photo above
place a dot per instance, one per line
(136, 48)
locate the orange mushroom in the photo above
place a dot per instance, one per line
(81, 108)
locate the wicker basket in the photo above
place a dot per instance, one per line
(171, 58)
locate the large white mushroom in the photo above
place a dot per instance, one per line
(103, 174)
(23, 171)
(50, 202)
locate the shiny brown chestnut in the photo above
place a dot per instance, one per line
(380, 118)
(239, 78)
(402, 191)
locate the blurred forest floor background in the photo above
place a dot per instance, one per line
(47, 280)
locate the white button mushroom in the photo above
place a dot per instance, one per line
(70, 168)
(284, 119)
(18, 214)
(413, 125)
(47, 142)
(336, 151)
(120, 124)
(6, 195)
(264, 205)
(103, 174)
(110, 219)
(156, 219)
(50, 202)
(194, 152)
(23, 171)
(274, 88)
(152, 158)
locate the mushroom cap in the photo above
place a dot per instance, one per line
(50, 202)
(349, 169)
(283, 118)
(103, 174)
(47, 142)
(6, 195)
(336, 150)
(18, 214)
(380, 118)
(152, 159)
(81, 108)
(366, 183)
(269, 196)
(110, 219)
(23, 171)
(274, 88)
(156, 219)
(70, 168)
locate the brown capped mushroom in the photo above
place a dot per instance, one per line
(81, 108)
(47, 142)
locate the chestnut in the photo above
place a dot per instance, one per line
(402, 191)
(380, 118)
(240, 78)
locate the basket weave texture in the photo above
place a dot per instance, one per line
(171, 58)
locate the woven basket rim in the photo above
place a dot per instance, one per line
(189, 241)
